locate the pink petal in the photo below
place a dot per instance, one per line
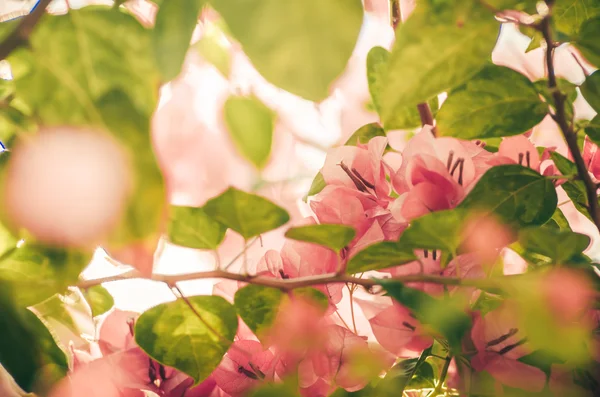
(516, 374)
(115, 332)
(519, 149)
(236, 373)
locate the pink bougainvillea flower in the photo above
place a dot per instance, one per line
(394, 327)
(569, 294)
(484, 236)
(68, 186)
(300, 325)
(591, 157)
(435, 174)
(517, 150)
(245, 366)
(500, 344)
(358, 167)
(324, 368)
(300, 259)
(120, 367)
(428, 263)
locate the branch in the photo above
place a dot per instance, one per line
(21, 34)
(300, 282)
(560, 117)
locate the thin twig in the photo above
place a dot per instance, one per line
(300, 282)
(560, 117)
(20, 35)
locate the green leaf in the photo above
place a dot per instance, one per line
(258, 306)
(569, 15)
(436, 230)
(457, 42)
(316, 186)
(74, 72)
(318, 298)
(37, 272)
(245, 213)
(575, 189)
(173, 29)
(304, 46)
(412, 373)
(192, 227)
(72, 60)
(591, 90)
(377, 63)
(559, 221)
(496, 102)
(68, 316)
(250, 124)
(364, 134)
(592, 129)
(27, 349)
(587, 41)
(558, 245)
(173, 334)
(381, 255)
(515, 193)
(334, 237)
(145, 210)
(99, 299)
(212, 48)
(444, 316)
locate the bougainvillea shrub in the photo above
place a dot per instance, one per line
(300, 198)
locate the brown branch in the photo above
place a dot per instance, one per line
(20, 35)
(300, 282)
(560, 117)
(425, 114)
(395, 13)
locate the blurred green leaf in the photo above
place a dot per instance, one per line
(591, 90)
(457, 42)
(36, 272)
(569, 15)
(192, 227)
(444, 316)
(174, 335)
(72, 60)
(558, 245)
(245, 213)
(515, 193)
(587, 40)
(74, 72)
(276, 390)
(496, 102)
(27, 349)
(381, 255)
(212, 48)
(250, 124)
(364, 134)
(258, 306)
(300, 46)
(334, 237)
(99, 299)
(173, 29)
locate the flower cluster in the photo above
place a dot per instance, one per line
(378, 192)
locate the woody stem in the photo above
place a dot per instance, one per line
(560, 116)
